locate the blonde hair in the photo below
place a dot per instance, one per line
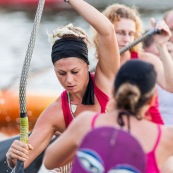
(114, 13)
(68, 31)
(128, 97)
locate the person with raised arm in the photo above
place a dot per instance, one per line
(83, 90)
(128, 27)
(134, 92)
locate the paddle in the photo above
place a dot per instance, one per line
(143, 37)
(24, 127)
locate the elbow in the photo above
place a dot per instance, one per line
(50, 162)
(47, 164)
(108, 31)
(168, 88)
(111, 30)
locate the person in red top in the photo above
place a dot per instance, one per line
(128, 27)
(83, 91)
(133, 92)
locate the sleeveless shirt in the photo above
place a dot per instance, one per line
(153, 113)
(100, 95)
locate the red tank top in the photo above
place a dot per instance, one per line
(100, 95)
(153, 113)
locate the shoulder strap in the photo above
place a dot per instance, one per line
(94, 119)
(158, 137)
(101, 96)
(134, 55)
(65, 107)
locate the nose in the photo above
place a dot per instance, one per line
(126, 38)
(69, 78)
(171, 39)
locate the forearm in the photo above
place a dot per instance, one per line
(39, 145)
(92, 16)
(167, 62)
(57, 155)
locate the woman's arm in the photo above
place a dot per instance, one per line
(165, 76)
(63, 149)
(41, 135)
(109, 58)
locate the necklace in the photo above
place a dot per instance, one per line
(72, 107)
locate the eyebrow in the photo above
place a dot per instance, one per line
(75, 68)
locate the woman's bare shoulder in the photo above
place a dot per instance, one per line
(53, 115)
(148, 57)
(84, 119)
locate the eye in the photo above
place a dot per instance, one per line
(120, 32)
(90, 161)
(131, 34)
(74, 72)
(62, 73)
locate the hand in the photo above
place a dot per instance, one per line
(169, 46)
(18, 151)
(162, 38)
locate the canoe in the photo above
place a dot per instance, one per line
(30, 4)
(5, 144)
(36, 102)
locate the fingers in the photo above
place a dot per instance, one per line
(154, 22)
(30, 147)
(169, 46)
(19, 151)
(161, 25)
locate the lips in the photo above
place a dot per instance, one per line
(70, 87)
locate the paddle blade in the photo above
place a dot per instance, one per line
(19, 168)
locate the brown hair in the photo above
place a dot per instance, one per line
(129, 98)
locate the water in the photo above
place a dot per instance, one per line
(15, 30)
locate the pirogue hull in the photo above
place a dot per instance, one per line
(9, 109)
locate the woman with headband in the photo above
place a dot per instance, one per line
(133, 93)
(83, 90)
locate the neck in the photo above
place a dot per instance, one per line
(125, 57)
(76, 97)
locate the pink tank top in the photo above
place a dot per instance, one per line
(151, 159)
(100, 95)
(153, 113)
(93, 120)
